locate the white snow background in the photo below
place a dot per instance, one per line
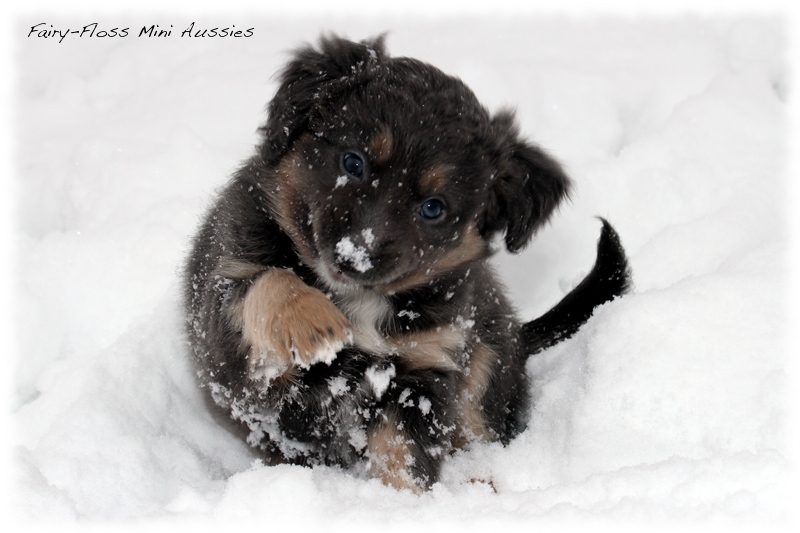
(669, 406)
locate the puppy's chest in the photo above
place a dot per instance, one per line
(382, 329)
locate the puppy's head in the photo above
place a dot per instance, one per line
(389, 173)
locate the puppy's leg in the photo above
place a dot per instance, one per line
(389, 450)
(412, 433)
(285, 322)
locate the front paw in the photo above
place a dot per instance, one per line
(289, 324)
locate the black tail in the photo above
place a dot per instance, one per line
(609, 278)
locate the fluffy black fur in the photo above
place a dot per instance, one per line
(430, 355)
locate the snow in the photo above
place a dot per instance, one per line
(350, 252)
(669, 406)
(379, 379)
(325, 353)
(338, 385)
(369, 237)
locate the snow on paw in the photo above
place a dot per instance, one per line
(287, 323)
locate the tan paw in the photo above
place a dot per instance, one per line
(389, 454)
(287, 323)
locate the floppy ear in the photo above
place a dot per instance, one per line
(526, 189)
(305, 82)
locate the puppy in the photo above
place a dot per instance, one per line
(341, 308)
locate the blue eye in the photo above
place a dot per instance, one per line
(432, 209)
(353, 164)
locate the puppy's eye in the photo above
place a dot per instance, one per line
(432, 209)
(354, 165)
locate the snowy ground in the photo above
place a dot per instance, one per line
(668, 406)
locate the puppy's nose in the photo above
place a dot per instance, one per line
(352, 253)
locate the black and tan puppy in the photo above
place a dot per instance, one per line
(341, 306)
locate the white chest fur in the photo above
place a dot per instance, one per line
(439, 347)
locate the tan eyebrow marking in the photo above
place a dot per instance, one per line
(435, 180)
(381, 146)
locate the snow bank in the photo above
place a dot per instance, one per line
(669, 404)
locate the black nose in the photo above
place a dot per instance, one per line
(347, 269)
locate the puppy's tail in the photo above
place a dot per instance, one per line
(609, 278)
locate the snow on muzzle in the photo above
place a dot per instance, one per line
(353, 255)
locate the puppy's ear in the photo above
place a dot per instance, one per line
(526, 189)
(307, 81)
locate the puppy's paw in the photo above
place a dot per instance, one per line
(389, 450)
(287, 323)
